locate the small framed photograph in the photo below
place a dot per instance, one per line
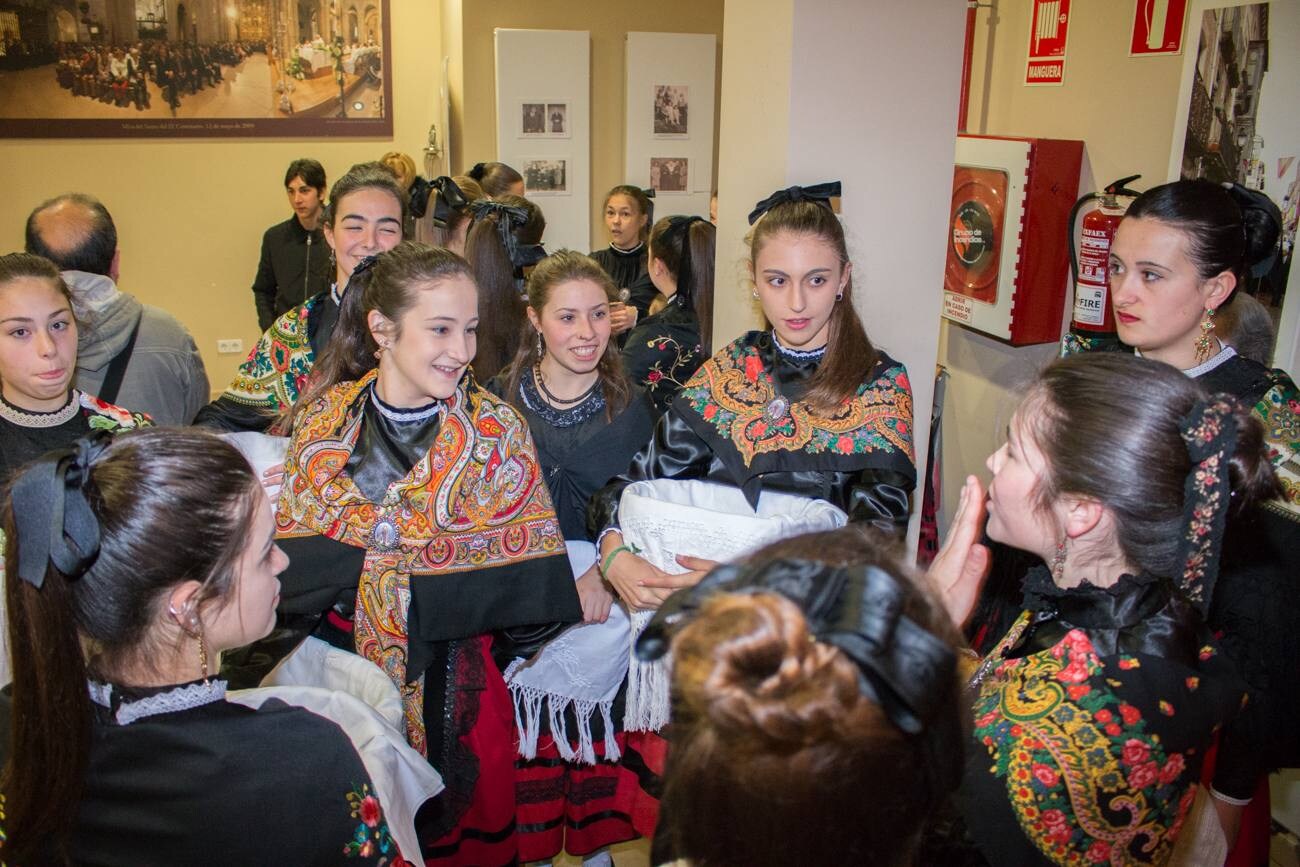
(670, 174)
(557, 119)
(671, 111)
(532, 119)
(546, 176)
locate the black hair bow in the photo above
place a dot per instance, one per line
(680, 226)
(447, 198)
(819, 193)
(510, 218)
(52, 515)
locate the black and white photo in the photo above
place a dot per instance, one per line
(545, 175)
(557, 118)
(669, 174)
(532, 118)
(671, 109)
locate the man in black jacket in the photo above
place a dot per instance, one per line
(295, 259)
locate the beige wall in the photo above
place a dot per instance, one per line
(190, 213)
(1123, 110)
(473, 136)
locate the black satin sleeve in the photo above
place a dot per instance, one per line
(674, 452)
(880, 497)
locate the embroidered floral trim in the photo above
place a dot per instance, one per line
(106, 416)
(1210, 433)
(733, 389)
(1086, 779)
(569, 417)
(276, 371)
(371, 836)
(681, 361)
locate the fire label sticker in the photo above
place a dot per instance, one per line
(1158, 27)
(1048, 25)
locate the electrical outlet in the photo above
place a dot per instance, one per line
(229, 347)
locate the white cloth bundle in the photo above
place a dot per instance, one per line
(262, 451)
(357, 696)
(667, 517)
(582, 668)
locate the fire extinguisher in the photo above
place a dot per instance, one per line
(1090, 255)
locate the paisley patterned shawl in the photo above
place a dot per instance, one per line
(726, 401)
(1093, 743)
(1279, 410)
(479, 547)
(275, 372)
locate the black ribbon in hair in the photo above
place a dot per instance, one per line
(510, 218)
(447, 198)
(359, 271)
(1210, 432)
(819, 193)
(52, 515)
(680, 226)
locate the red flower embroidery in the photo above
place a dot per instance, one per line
(654, 376)
(1130, 714)
(1135, 752)
(1079, 691)
(1113, 730)
(370, 812)
(709, 412)
(753, 366)
(845, 445)
(1053, 818)
(1102, 716)
(1046, 775)
(1142, 776)
(1172, 770)
(1099, 852)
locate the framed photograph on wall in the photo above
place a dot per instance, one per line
(670, 174)
(671, 111)
(532, 120)
(541, 118)
(546, 176)
(152, 68)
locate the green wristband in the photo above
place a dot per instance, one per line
(609, 558)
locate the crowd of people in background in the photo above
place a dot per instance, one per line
(415, 577)
(120, 74)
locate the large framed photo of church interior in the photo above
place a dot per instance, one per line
(211, 68)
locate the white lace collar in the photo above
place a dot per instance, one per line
(177, 698)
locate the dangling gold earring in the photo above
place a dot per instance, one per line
(1058, 561)
(1207, 332)
(203, 660)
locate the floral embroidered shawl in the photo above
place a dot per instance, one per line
(478, 549)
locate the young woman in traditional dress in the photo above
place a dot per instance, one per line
(133, 562)
(1093, 713)
(665, 349)
(365, 215)
(588, 421)
(423, 536)
(809, 408)
(1184, 251)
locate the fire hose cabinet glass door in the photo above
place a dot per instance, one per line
(1007, 253)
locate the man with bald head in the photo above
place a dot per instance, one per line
(131, 354)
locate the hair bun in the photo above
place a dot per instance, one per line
(765, 675)
(478, 171)
(1262, 221)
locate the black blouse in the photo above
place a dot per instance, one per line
(579, 448)
(178, 775)
(20, 445)
(663, 351)
(629, 271)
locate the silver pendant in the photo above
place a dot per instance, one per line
(384, 537)
(777, 409)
